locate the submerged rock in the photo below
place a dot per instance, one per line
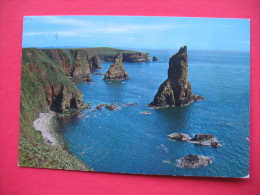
(145, 112)
(99, 73)
(100, 106)
(179, 136)
(132, 104)
(194, 161)
(116, 71)
(113, 107)
(176, 90)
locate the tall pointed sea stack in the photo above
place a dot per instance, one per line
(176, 90)
(116, 71)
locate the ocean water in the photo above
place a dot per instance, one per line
(126, 141)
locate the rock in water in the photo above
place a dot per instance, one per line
(94, 63)
(194, 161)
(205, 140)
(176, 90)
(179, 137)
(116, 71)
(155, 58)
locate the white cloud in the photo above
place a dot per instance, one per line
(80, 27)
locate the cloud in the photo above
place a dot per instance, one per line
(98, 30)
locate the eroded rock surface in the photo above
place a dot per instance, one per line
(179, 136)
(116, 71)
(111, 107)
(199, 139)
(176, 90)
(194, 161)
(136, 57)
(205, 140)
(94, 63)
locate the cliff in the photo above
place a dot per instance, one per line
(176, 90)
(107, 54)
(136, 57)
(76, 63)
(116, 71)
(94, 63)
(45, 86)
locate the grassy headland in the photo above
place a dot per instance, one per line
(47, 86)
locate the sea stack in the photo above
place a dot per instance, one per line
(176, 90)
(155, 58)
(116, 71)
(94, 63)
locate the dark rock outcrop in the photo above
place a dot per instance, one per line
(199, 139)
(205, 140)
(179, 137)
(116, 71)
(155, 58)
(129, 57)
(136, 57)
(176, 90)
(111, 107)
(194, 161)
(94, 63)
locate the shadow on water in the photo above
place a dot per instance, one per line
(176, 118)
(65, 122)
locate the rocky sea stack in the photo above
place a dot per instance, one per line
(116, 71)
(155, 58)
(176, 90)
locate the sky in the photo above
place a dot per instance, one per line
(135, 32)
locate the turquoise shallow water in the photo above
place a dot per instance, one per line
(126, 141)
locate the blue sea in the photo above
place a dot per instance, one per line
(126, 141)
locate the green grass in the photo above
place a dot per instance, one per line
(100, 52)
(38, 72)
(43, 73)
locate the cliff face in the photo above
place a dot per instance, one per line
(176, 90)
(76, 62)
(45, 86)
(116, 71)
(46, 83)
(136, 57)
(108, 54)
(94, 63)
(129, 57)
